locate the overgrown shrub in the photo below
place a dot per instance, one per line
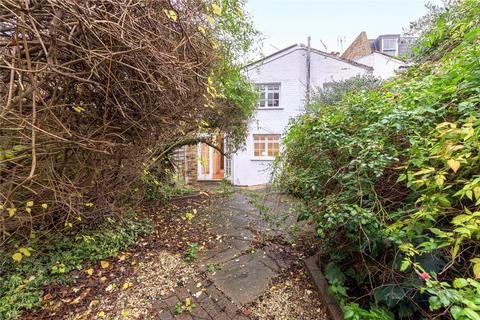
(337, 89)
(93, 94)
(391, 177)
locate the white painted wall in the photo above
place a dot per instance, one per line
(288, 68)
(384, 66)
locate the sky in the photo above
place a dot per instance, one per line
(286, 22)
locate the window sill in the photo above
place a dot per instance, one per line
(270, 108)
(262, 159)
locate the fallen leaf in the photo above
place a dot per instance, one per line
(216, 9)
(24, 251)
(47, 297)
(247, 312)
(104, 264)
(89, 271)
(17, 256)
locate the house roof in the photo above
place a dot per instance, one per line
(389, 56)
(303, 47)
(359, 47)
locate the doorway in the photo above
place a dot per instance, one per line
(211, 163)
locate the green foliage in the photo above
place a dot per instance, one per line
(52, 258)
(337, 89)
(452, 25)
(192, 252)
(160, 185)
(235, 36)
(225, 189)
(391, 178)
(187, 307)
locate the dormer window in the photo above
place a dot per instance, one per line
(390, 46)
(268, 95)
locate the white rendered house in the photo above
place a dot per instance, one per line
(283, 80)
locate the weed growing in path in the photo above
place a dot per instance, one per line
(192, 251)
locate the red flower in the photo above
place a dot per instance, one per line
(424, 276)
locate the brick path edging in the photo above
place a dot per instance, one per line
(321, 284)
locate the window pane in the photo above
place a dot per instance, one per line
(259, 137)
(268, 95)
(389, 44)
(273, 149)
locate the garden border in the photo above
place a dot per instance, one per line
(333, 309)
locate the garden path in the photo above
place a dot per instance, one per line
(240, 268)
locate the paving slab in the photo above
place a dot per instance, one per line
(246, 278)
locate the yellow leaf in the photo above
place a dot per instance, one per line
(78, 109)
(89, 271)
(216, 9)
(89, 204)
(101, 314)
(476, 191)
(126, 285)
(24, 251)
(210, 20)
(104, 264)
(103, 279)
(29, 210)
(11, 212)
(30, 203)
(172, 15)
(17, 256)
(454, 165)
(476, 270)
(440, 180)
(202, 30)
(125, 313)
(188, 302)
(44, 205)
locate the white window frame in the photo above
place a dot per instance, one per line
(268, 90)
(267, 144)
(390, 49)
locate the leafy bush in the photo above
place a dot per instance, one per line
(49, 260)
(391, 178)
(337, 89)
